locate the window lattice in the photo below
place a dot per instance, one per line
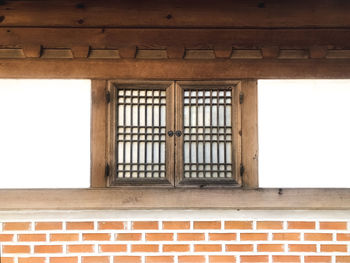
(140, 133)
(207, 134)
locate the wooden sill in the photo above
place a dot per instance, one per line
(174, 198)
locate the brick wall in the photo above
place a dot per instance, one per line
(68, 237)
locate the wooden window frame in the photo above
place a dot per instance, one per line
(174, 144)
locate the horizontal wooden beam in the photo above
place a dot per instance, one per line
(178, 69)
(101, 38)
(148, 198)
(178, 13)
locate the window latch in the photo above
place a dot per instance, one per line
(178, 133)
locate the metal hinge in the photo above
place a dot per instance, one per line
(107, 170)
(241, 170)
(241, 98)
(108, 97)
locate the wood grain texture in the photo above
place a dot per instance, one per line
(170, 126)
(250, 133)
(126, 39)
(177, 13)
(98, 132)
(179, 141)
(175, 69)
(171, 198)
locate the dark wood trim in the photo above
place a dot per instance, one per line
(250, 134)
(179, 13)
(172, 198)
(98, 132)
(222, 40)
(177, 69)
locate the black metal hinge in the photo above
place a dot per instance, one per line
(108, 97)
(241, 98)
(107, 170)
(241, 170)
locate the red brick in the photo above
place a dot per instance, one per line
(343, 237)
(301, 225)
(333, 248)
(31, 260)
(222, 259)
(342, 259)
(6, 237)
(80, 225)
(174, 225)
(333, 225)
(269, 225)
(64, 260)
(238, 225)
(190, 236)
(222, 236)
(253, 236)
(96, 237)
(159, 236)
(16, 226)
(302, 248)
(239, 247)
(15, 249)
(207, 248)
(160, 259)
(128, 236)
(191, 259)
(127, 259)
(255, 259)
(318, 237)
(318, 259)
(286, 236)
(144, 248)
(48, 226)
(95, 259)
(270, 248)
(176, 248)
(112, 248)
(64, 237)
(31, 237)
(286, 259)
(145, 225)
(207, 225)
(7, 260)
(80, 248)
(48, 249)
(111, 225)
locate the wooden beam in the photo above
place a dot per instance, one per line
(175, 39)
(250, 133)
(178, 13)
(98, 132)
(32, 51)
(171, 198)
(175, 69)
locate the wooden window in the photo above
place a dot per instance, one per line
(174, 133)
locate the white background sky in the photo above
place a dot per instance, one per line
(304, 133)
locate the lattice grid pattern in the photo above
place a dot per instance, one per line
(140, 133)
(207, 133)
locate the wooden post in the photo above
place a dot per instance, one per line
(250, 133)
(98, 132)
